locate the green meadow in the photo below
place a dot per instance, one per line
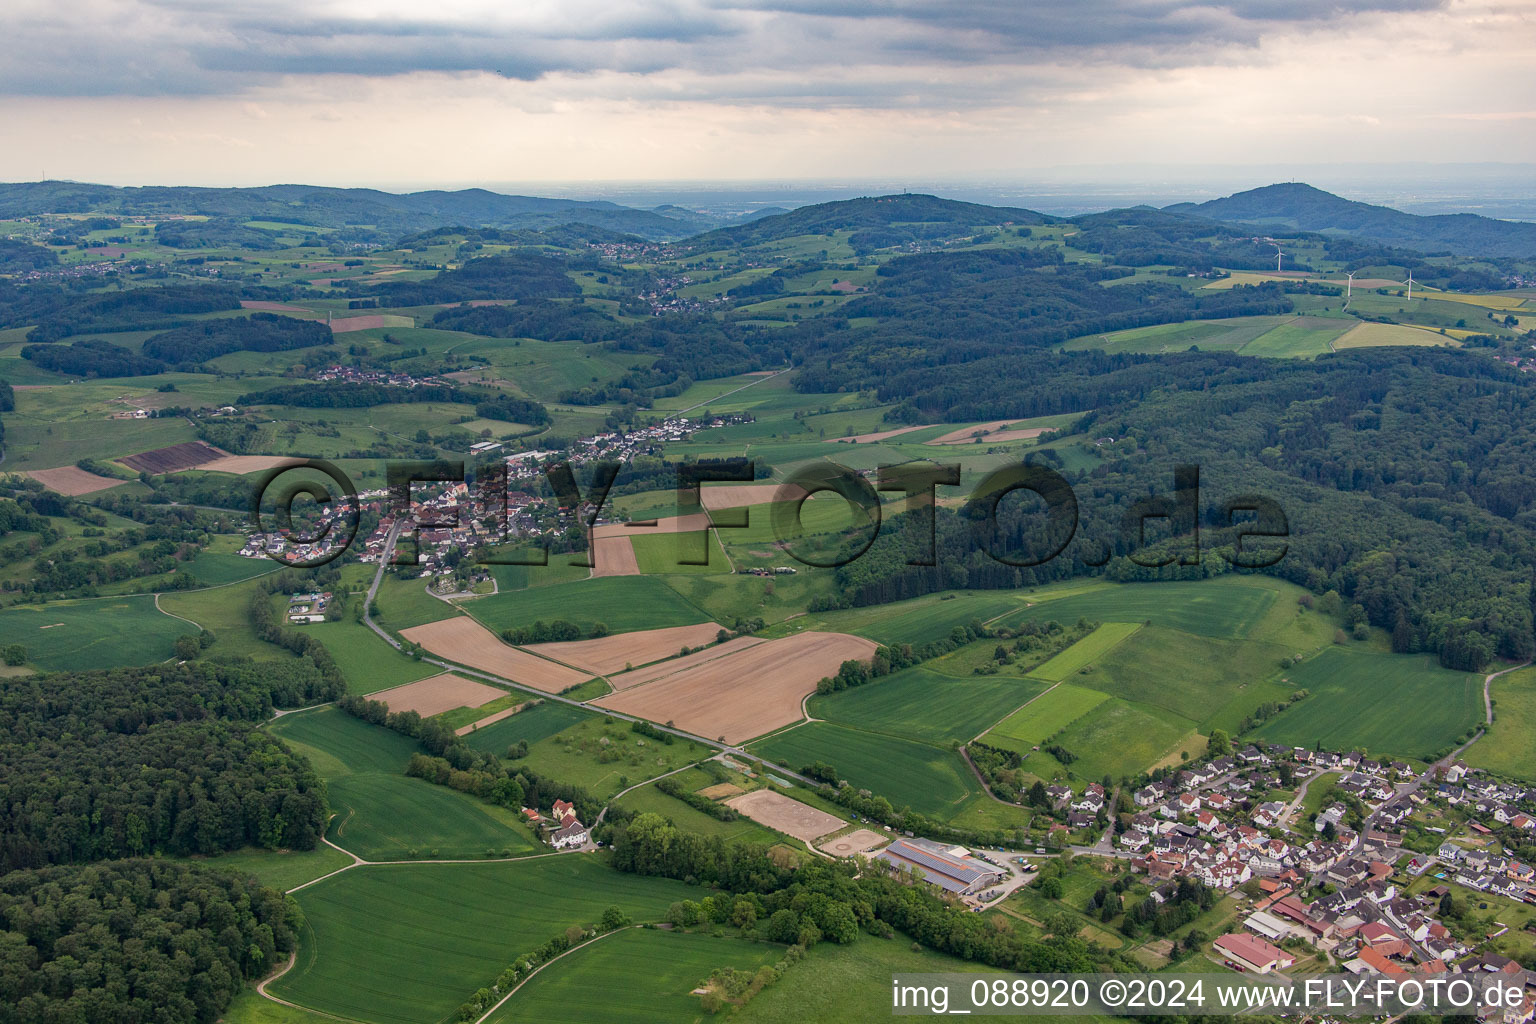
(1358, 699)
(637, 974)
(929, 779)
(379, 813)
(407, 944)
(69, 636)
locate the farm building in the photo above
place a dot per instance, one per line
(1252, 953)
(573, 833)
(949, 868)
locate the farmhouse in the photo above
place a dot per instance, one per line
(949, 868)
(1251, 953)
(574, 833)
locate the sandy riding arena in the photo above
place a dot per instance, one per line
(720, 790)
(746, 693)
(465, 641)
(782, 814)
(611, 653)
(433, 696)
(72, 480)
(859, 841)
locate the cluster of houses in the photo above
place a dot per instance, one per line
(561, 830)
(1203, 823)
(387, 378)
(311, 607)
(456, 517)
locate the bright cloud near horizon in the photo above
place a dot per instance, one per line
(386, 92)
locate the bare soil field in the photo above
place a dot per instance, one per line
(782, 814)
(242, 464)
(742, 495)
(720, 790)
(859, 841)
(994, 431)
(72, 480)
(613, 555)
(465, 730)
(611, 653)
(187, 455)
(363, 323)
(466, 641)
(272, 307)
(746, 693)
(651, 673)
(436, 694)
(879, 435)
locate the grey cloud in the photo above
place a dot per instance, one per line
(823, 48)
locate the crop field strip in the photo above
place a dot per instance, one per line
(404, 944)
(380, 813)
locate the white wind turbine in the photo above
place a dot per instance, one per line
(1278, 257)
(1410, 284)
(1349, 287)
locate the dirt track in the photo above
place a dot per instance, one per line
(464, 640)
(744, 694)
(610, 654)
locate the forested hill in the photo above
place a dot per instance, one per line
(877, 222)
(385, 212)
(1296, 205)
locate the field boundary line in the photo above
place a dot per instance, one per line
(261, 990)
(173, 615)
(513, 990)
(1016, 710)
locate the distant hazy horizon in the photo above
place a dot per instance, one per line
(1488, 189)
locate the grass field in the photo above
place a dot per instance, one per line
(534, 724)
(924, 705)
(1117, 739)
(88, 634)
(850, 984)
(406, 603)
(380, 814)
(1044, 717)
(638, 975)
(603, 755)
(217, 568)
(1190, 675)
(1359, 699)
(1506, 749)
(250, 1008)
(1302, 337)
(280, 869)
(926, 778)
(408, 944)
(743, 829)
(225, 611)
(918, 621)
(1086, 651)
(1216, 607)
(622, 603)
(367, 662)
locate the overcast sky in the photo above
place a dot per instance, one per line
(396, 93)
